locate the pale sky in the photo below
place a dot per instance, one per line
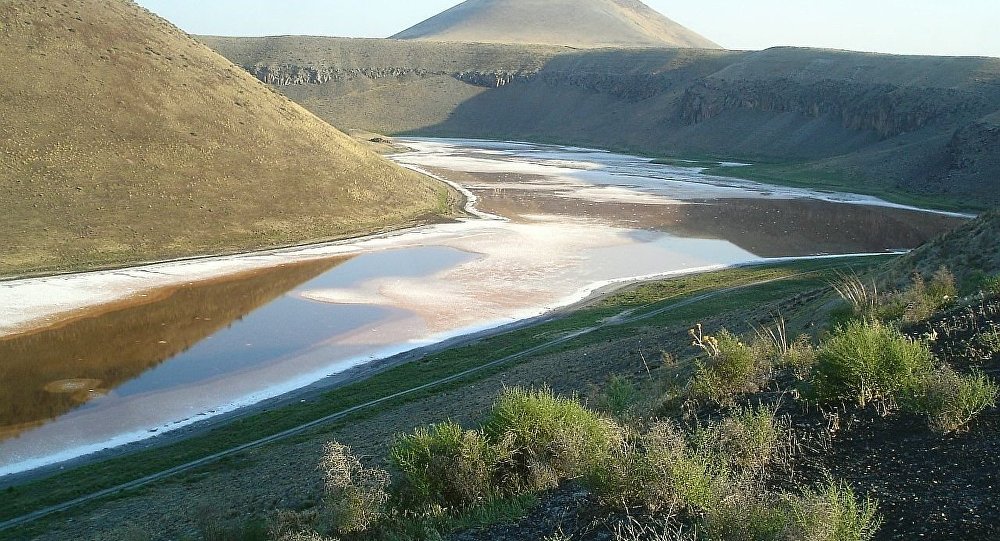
(934, 27)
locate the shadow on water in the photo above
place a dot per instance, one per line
(50, 372)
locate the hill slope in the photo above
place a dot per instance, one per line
(920, 129)
(125, 140)
(574, 23)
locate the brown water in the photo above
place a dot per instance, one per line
(575, 220)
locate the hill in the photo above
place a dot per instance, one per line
(915, 129)
(971, 252)
(574, 23)
(125, 140)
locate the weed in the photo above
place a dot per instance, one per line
(661, 530)
(861, 296)
(731, 368)
(212, 527)
(550, 438)
(799, 355)
(659, 471)
(950, 400)
(303, 536)
(831, 512)
(989, 341)
(619, 397)
(746, 515)
(749, 441)
(356, 496)
(923, 299)
(991, 285)
(448, 466)
(869, 362)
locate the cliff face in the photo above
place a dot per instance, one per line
(923, 125)
(887, 110)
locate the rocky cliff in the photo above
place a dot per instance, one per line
(919, 125)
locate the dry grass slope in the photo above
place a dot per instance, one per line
(124, 140)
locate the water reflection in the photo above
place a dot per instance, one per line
(575, 220)
(50, 372)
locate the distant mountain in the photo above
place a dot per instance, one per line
(122, 140)
(572, 23)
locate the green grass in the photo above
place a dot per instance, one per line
(803, 176)
(644, 298)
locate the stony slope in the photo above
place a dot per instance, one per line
(574, 23)
(124, 140)
(884, 124)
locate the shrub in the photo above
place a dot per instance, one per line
(831, 513)
(731, 368)
(448, 466)
(748, 441)
(619, 397)
(549, 438)
(950, 400)
(744, 516)
(869, 362)
(923, 299)
(356, 496)
(658, 471)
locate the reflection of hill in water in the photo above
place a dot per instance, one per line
(765, 227)
(47, 373)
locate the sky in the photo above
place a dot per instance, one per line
(933, 27)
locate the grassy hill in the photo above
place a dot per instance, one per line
(125, 140)
(915, 129)
(576, 23)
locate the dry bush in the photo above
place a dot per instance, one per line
(831, 513)
(728, 369)
(356, 496)
(951, 400)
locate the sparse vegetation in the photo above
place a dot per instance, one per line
(710, 471)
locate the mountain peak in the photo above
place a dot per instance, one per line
(571, 23)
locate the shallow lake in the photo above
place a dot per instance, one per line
(555, 224)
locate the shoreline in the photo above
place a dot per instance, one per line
(173, 273)
(365, 370)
